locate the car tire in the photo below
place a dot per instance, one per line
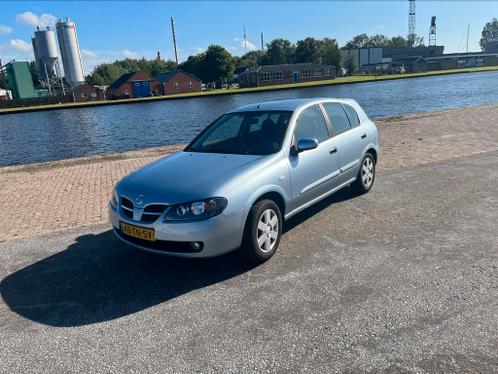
(262, 232)
(366, 175)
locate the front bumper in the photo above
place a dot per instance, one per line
(219, 234)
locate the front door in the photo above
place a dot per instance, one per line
(296, 77)
(313, 172)
(141, 88)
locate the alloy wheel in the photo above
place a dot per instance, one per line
(367, 172)
(267, 232)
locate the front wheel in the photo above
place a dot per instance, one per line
(263, 231)
(366, 175)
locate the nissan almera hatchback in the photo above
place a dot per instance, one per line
(241, 177)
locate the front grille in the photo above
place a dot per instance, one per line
(161, 245)
(126, 203)
(149, 215)
(155, 208)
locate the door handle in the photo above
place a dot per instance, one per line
(363, 136)
(333, 150)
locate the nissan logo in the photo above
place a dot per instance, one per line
(139, 200)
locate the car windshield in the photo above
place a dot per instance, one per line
(244, 133)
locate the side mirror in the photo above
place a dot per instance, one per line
(306, 144)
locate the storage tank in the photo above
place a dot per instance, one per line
(46, 49)
(70, 52)
(38, 61)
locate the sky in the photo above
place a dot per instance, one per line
(110, 30)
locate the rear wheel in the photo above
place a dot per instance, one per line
(366, 175)
(263, 231)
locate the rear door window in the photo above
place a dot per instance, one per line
(338, 117)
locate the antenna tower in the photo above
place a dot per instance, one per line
(411, 23)
(245, 39)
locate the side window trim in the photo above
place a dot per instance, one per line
(327, 121)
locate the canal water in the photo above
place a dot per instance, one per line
(60, 134)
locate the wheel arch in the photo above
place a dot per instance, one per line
(373, 152)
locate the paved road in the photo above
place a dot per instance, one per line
(402, 279)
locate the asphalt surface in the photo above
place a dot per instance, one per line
(403, 279)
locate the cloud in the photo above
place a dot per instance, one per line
(20, 45)
(30, 18)
(198, 49)
(4, 30)
(243, 44)
(129, 54)
(86, 53)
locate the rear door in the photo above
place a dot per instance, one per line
(349, 135)
(313, 172)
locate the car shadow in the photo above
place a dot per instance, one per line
(340, 196)
(97, 278)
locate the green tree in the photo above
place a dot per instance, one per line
(378, 41)
(279, 51)
(330, 52)
(217, 66)
(350, 64)
(308, 50)
(414, 40)
(359, 41)
(489, 32)
(193, 64)
(251, 59)
(106, 73)
(398, 42)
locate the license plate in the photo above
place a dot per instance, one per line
(138, 232)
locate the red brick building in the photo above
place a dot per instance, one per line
(134, 84)
(87, 92)
(269, 75)
(172, 82)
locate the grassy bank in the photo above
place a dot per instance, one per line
(337, 81)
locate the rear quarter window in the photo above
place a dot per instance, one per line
(354, 120)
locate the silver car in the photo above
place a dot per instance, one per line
(237, 182)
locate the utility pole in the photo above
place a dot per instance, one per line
(468, 34)
(245, 39)
(174, 41)
(262, 43)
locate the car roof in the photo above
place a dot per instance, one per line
(288, 104)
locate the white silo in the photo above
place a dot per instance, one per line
(70, 52)
(45, 49)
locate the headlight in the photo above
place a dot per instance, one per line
(196, 210)
(114, 198)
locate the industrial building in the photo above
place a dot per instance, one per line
(174, 82)
(70, 52)
(134, 84)
(491, 46)
(20, 81)
(368, 58)
(268, 75)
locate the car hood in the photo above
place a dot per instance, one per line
(183, 176)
